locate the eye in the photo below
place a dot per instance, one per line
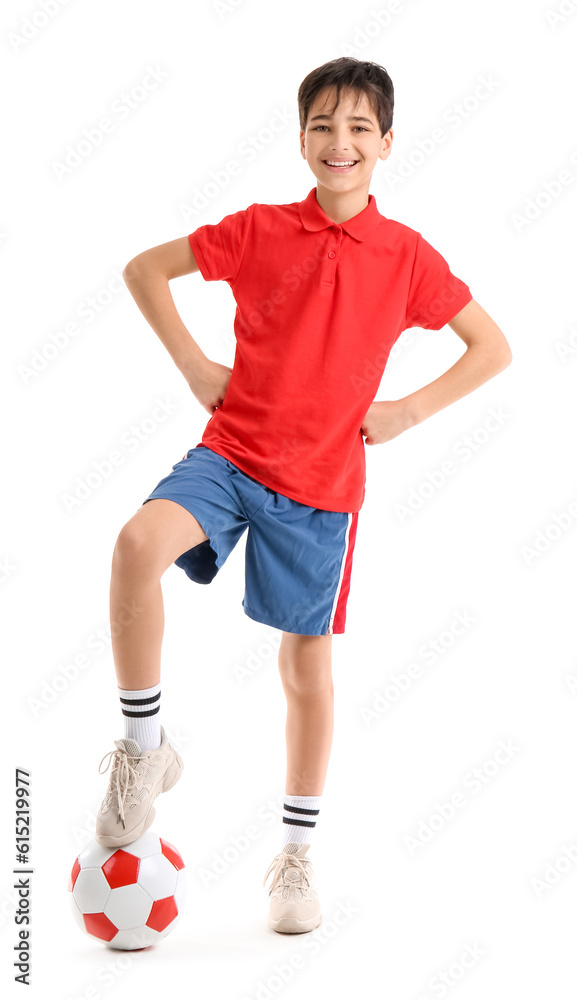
(361, 127)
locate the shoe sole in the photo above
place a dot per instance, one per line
(291, 925)
(172, 775)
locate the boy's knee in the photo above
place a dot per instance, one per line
(133, 545)
(305, 665)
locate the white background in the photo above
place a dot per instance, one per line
(499, 876)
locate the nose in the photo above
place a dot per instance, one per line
(340, 142)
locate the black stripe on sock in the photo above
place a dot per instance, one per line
(297, 809)
(141, 715)
(298, 822)
(140, 701)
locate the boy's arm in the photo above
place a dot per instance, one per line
(487, 354)
(147, 277)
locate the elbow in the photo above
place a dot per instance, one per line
(493, 361)
(506, 357)
(499, 355)
(142, 268)
(130, 269)
(136, 265)
(499, 362)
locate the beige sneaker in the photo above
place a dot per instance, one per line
(294, 904)
(137, 777)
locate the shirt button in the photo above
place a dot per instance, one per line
(332, 254)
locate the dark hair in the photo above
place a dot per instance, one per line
(353, 74)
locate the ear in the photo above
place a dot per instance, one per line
(387, 145)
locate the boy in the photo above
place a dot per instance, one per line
(321, 286)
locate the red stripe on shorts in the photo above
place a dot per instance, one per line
(341, 606)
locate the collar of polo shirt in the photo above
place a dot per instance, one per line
(313, 217)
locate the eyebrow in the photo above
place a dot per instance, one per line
(351, 118)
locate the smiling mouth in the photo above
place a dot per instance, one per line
(343, 166)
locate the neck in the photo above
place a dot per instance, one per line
(341, 207)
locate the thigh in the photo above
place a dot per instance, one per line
(298, 567)
(202, 485)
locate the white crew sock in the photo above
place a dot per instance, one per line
(299, 820)
(141, 711)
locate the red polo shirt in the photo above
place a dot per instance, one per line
(318, 309)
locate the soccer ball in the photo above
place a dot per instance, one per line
(128, 897)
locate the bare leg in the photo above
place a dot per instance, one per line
(147, 545)
(306, 673)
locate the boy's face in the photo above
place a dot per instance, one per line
(339, 137)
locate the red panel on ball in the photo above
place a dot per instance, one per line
(100, 926)
(171, 853)
(162, 914)
(121, 869)
(74, 875)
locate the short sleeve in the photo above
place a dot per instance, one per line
(436, 295)
(219, 249)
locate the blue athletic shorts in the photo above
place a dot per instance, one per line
(298, 559)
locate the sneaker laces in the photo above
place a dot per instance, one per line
(123, 777)
(278, 865)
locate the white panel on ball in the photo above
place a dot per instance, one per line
(128, 907)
